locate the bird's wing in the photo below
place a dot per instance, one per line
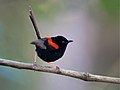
(40, 43)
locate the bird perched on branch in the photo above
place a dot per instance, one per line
(49, 49)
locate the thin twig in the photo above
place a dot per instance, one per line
(79, 75)
(32, 18)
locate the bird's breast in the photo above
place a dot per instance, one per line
(50, 55)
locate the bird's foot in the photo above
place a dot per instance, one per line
(57, 68)
(54, 66)
(34, 66)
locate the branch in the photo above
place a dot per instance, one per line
(79, 75)
(32, 18)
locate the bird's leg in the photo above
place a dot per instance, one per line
(34, 61)
(35, 58)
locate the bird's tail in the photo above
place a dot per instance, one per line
(32, 18)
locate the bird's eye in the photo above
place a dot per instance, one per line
(63, 41)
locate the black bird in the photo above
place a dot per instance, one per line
(49, 49)
(52, 48)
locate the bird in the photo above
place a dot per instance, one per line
(49, 49)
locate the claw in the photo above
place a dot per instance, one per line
(57, 69)
(54, 66)
(34, 66)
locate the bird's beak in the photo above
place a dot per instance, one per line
(33, 42)
(70, 41)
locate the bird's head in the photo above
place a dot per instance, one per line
(61, 41)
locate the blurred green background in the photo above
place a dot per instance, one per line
(92, 24)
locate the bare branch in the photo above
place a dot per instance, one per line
(32, 18)
(79, 75)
